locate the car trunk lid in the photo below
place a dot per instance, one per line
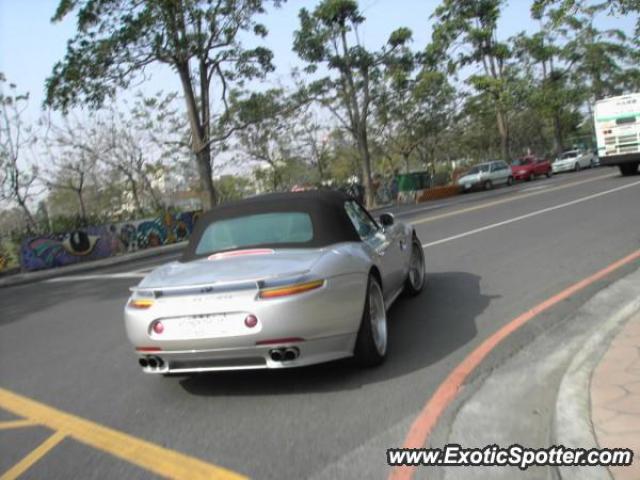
(241, 269)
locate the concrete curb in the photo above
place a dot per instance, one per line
(572, 426)
(30, 277)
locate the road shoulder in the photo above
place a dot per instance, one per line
(519, 400)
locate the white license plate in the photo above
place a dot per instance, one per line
(205, 326)
(467, 186)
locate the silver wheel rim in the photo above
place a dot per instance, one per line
(416, 268)
(378, 318)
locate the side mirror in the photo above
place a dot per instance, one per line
(387, 219)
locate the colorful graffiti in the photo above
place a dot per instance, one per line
(92, 243)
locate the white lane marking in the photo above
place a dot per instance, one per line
(533, 189)
(144, 271)
(528, 215)
(518, 195)
(102, 276)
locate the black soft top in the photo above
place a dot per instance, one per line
(330, 221)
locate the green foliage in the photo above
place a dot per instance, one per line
(465, 34)
(116, 40)
(197, 39)
(232, 187)
(559, 10)
(328, 36)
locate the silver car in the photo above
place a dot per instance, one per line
(486, 176)
(276, 281)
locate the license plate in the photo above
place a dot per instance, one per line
(467, 186)
(205, 326)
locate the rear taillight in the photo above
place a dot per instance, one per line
(292, 289)
(140, 303)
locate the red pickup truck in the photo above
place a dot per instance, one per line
(527, 168)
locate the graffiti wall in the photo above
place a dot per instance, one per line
(92, 243)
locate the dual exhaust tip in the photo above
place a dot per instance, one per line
(284, 354)
(277, 355)
(151, 362)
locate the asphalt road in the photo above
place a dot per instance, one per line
(490, 257)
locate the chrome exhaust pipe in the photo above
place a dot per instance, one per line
(276, 354)
(291, 354)
(143, 362)
(152, 362)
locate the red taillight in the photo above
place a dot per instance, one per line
(272, 341)
(251, 321)
(157, 327)
(148, 349)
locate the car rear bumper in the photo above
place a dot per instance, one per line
(522, 175)
(308, 352)
(321, 324)
(563, 167)
(467, 186)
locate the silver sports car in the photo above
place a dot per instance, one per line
(276, 281)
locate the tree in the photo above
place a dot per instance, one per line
(473, 24)
(18, 176)
(72, 159)
(569, 7)
(314, 140)
(590, 63)
(198, 39)
(604, 60)
(329, 36)
(413, 110)
(268, 137)
(231, 187)
(141, 141)
(548, 61)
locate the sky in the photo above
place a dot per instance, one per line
(30, 44)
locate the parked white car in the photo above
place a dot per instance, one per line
(486, 176)
(574, 160)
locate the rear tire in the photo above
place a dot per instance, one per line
(530, 177)
(576, 167)
(627, 169)
(416, 277)
(549, 173)
(488, 185)
(510, 181)
(371, 343)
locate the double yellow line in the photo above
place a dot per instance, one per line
(154, 458)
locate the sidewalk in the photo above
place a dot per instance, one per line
(615, 398)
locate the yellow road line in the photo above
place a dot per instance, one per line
(24, 422)
(33, 456)
(507, 200)
(151, 457)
